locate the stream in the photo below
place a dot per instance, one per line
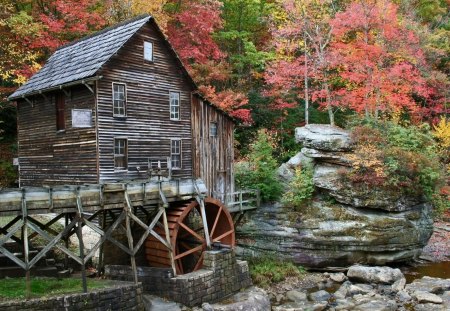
(432, 269)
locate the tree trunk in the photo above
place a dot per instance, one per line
(306, 85)
(329, 107)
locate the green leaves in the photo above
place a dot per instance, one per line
(301, 188)
(259, 170)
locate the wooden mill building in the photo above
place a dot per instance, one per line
(104, 108)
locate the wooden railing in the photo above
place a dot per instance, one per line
(241, 200)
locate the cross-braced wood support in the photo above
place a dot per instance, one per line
(25, 228)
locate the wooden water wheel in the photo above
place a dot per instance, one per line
(187, 234)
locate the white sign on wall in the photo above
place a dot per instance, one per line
(81, 118)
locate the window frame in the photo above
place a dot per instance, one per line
(124, 100)
(179, 105)
(153, 49)
(124, 155)
(60, 108)
(216, 128)
(180, 153)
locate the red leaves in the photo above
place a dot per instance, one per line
(229, 101)
(191, 32)
(66, 20)
(378, 58)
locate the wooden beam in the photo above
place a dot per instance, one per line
(28, 101)
(88, 86)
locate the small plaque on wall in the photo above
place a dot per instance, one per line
(81, 118)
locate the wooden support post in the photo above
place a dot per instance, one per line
(79, 231)
(25, 244)
(102, 249)
(128, 212)
(167, 233)
(83, 265)
(130, 246)
(201, 202)
(205, 222)
(66, 241)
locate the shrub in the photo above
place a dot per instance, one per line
(8, 174)
(266, 271)
(442, 134)
(301, 188)
(259, 170)
(391, 156)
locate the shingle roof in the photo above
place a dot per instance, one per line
(80, 59)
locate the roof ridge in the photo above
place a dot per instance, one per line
(100, 32)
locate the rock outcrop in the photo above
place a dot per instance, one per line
(344, 223)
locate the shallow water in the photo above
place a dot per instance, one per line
(433, 269)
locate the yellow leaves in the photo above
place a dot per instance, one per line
(442, 133)
(154, 8)
(368, 157)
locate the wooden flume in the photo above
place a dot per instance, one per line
(80, 205)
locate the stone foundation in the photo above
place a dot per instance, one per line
(221, 276)
(123, 297)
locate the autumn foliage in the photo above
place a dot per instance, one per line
(373, 58)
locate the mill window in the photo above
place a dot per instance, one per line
(148, 51)
(174, 98)
(213, 129)
(120, 154)
(175, 153)
(119, 100)
(60, 105)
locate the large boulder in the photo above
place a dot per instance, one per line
(345, 223)
(332, 234)
(324, 137)
(377, 275)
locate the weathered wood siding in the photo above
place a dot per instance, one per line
(49, 157)
(147, 126)
(213, 155)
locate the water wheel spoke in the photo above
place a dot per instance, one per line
(215, 222)
(223, 235)
(184, 234)
(179, 266)
(192, 232)
(199, 262)
(195, 249)
(186, 245)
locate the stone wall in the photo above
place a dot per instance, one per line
(123, 297)
(220, 276)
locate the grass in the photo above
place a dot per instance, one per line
(15, 288)
(266, 271)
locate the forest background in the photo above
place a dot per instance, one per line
(272, 64)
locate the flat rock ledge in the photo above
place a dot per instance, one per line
(251, 299)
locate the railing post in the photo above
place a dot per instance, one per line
(240, 201)
(258, 197)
